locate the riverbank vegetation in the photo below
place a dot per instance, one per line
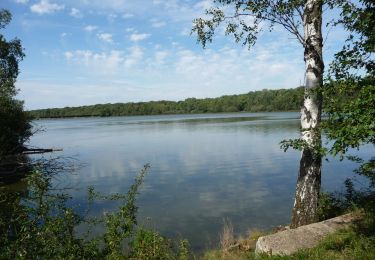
(355, 242)
(254, 101)
(39, 223)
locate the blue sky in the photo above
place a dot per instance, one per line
(81, 52)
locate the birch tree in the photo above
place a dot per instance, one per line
(244, 19)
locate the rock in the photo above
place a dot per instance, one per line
(289, 241)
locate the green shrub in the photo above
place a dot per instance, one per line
(40, 224)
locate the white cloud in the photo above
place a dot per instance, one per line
(90, 28)
(68, 55)
(74, 12)
(216, 72)
(160, 57)
(167, 4)
(139, 37)
(186, 31)
(112, 17)
(204, 5)
(157, 23)
(105, 63)
(64, 34)
(181, 11)
(45, 7)
(127, 15)
(108, 62)
(21, 1)
(135, 55)
(106, 37)
(42, 94)
(235, 67)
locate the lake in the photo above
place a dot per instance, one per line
(204, 168)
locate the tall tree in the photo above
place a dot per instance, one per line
(303, 19)
(14, 121)
(11, 53)
(309, 177)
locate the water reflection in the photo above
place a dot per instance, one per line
(203, 167)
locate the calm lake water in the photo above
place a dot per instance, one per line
(204, 168)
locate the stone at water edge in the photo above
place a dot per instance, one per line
(290, 241)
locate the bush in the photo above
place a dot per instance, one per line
(39, 224)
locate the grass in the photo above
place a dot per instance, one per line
(345, 244)
(356, 242)
(232, 248)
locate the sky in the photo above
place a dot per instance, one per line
(83, 52)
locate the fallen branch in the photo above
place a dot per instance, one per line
(38, 151)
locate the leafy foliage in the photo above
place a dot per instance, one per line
(148, 244)
(14, 122)
(350, 121)
(15, 127)
(350, 92)
(349, 125)
(356, 57)
(350, 88)
(11, 53)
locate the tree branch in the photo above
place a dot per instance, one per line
(289, 25)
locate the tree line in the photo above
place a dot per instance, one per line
(254, 101)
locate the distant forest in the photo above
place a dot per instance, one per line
(254, 101)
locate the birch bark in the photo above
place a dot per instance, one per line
(309, 178)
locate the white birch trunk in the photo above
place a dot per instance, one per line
(309, 178)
